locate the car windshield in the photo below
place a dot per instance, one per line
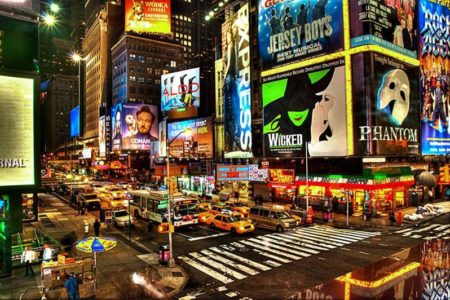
(186, 209)
(121, 214)
(233, 219)
(283, 215)
(89, 197)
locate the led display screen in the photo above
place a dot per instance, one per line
(302, 106)
(102, 136)
(17, 161)
(298, 29)
(75, 122)
(232, 173)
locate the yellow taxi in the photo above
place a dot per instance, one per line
(239, 206)
(215, 209)
(232, 223)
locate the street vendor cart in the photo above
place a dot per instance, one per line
(55, 273)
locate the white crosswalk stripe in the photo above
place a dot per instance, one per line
(429, 232)
(270, 251)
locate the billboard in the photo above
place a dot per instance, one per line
(388, 23)
(139, 126)
(148, 16)
(75, 122)
(17, 157)
(434, 52)
(237, 85)
(116, 125)
(18, 44)
(386, 122)
(302, 106)
(197, 142)
(102, 136)
(298, 29)
(232, 173)
(180, 93)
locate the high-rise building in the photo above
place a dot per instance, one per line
(59, 95)
(78, 24)
(55, 58)
(100, 36)
(138, 64)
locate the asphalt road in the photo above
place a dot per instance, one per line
(268, 265)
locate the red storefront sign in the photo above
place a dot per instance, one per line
(281, 176)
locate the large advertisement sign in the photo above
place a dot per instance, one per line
(387, 120)
(180, 93)
(148, 16)
(116, 125)
(232, 173)
(191, 138)
(75, 122)
(434, 54)
(17, 164)
(389, 23)
(306, 105)
(298, 29)
(101, 137)
(237, 87)
(139, 126)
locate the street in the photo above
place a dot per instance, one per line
(265, 264)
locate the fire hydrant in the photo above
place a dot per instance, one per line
(86, 226)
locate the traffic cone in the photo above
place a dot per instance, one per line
(309, 215)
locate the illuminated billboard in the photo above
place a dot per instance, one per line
(180, 93)
(434, 52)
(388, 23)
(17, 157)
(232, 173)
(237, 85)
(298, 29)
(194, 138)
(302, 106)
(139, 126)
(148, 16)
(18, 44)
(116, 126)
(102, 137)
(75, 122)
(386, 117)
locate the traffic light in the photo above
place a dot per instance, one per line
(444, 173)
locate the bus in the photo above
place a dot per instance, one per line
(152, 206)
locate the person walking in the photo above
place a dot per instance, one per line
(97, 227)
(28, 256)
(71, 285)
(47, 254)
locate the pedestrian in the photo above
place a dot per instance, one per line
(97, 227)
(47, 254)
(430, 195)
(236, 195)
(71, 285)
(80, 209)
(28, 256)
(149, 226)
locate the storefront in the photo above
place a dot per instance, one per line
(281, 184)
(232, 178)
(199, 184)
(371, 194)
(29, 207)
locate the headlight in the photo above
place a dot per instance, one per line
(251, 226)
(244, 210)
(241, 228)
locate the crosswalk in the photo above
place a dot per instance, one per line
(428, 232)
(251, 256)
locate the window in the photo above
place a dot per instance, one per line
(132, 57)
(254, 211)
(132, 78)
(264, 213)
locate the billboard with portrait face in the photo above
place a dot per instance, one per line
(148, 16)
(180, 93)
(237, 85)
(101, 137)
(434, 55)
(139, 126)
(298, 29)
(389, 23)
(17, 156)
(116, 127)
(302, 106)
(195, 138)
(75, 122)
(386, 116)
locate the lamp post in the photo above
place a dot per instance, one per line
(76, 58)
(187, 131)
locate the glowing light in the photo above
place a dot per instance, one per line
(55, 7)
(211, 14)
(207, 18)
(220, 4)
(49, 19)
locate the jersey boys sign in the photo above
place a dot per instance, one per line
(237, 87)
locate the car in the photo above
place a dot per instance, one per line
(63, 190)
(239, 206)
(215, 209)
(231, 223)
(275, 218)
(121, 218)
(90, 201)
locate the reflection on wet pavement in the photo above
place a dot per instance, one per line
(420, 272)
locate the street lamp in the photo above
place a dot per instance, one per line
(49, 19)
(187, 131)
(76, 58)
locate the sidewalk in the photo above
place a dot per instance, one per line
(114, 268)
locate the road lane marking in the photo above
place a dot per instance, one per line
(306, 243)
(208, 237)
(272, 263)
(427, 228)
(230, 262)
(266, 254)
(206, 270)
(341, 237)
(224, 269)
(267, 249)
(364, 253)
(297, 245)
(324, 238)
(320, 241)
(241, 259)
(281, 246)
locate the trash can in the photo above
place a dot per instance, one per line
(164, 255)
